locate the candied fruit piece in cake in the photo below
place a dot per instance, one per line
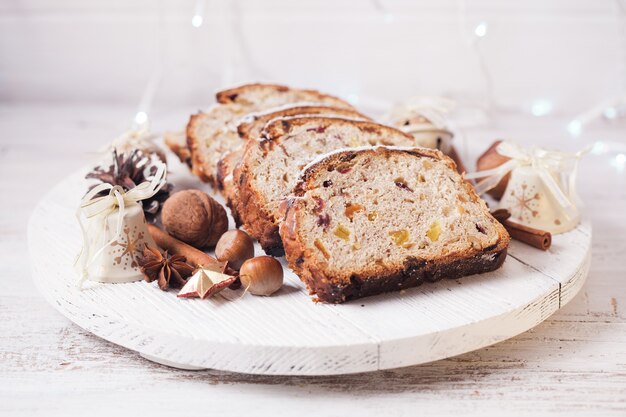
(434, 231)
(399, 237)
(342, 232)
(351, 209)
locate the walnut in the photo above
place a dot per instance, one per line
(195, 218)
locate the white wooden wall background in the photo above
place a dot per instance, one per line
(571, 52)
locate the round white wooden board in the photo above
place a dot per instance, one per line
(288, 334)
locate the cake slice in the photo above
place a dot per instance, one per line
(212, 133)
(177, 142)
(274, 95)
(270, 168)
(209, 135)
(380, 219)
(250, 128)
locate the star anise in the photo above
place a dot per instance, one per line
(129, 170)
(169, 271)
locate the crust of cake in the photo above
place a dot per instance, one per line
(257, 221)
(256, 218)
(286, 126)
(195, 156)
(225, 181)
(233, 95)
(244, 128)
(378, 279)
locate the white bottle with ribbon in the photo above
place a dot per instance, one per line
(115, 231)
(541, 192)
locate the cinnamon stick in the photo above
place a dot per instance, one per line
(529, 235)
(175, 247)
(501, 215)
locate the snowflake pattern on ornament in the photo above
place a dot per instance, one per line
(526, 202)
(125, 250)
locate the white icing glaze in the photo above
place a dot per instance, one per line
(324, 116)
(322, 157)
(251, 116)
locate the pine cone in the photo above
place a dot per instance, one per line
(129, 170)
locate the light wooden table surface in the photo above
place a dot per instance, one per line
(572, 364)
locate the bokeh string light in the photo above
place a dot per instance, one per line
(473, 36)
(615, 107)
(473, 33)
(382, 8)
(141, 119)
(198, 14)
(608, 110)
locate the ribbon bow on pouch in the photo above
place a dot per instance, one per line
(118, 200)
(557, 171)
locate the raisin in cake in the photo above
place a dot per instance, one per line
(270, 168)
(373, 220)
(250, 128)
(212, 133)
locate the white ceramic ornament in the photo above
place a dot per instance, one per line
(541, 192)
(430, 137)
(532, 203)
(115, 231)
(424, 118)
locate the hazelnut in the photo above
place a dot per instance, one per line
(195, 218)
(492, 159)
(234, 247)
(262, 275)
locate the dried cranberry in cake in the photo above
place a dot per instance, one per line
(344, 168)
(318, 129)
(401, 183)
(323, 220)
